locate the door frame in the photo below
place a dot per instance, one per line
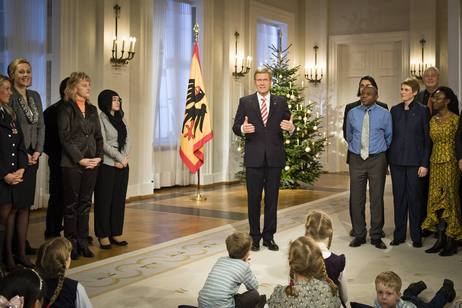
(335, 41)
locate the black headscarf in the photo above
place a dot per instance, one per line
(105, 105)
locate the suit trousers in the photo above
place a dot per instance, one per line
(258, 179)
(79, 184)
(407, 198)
(55, 210)
(110, 195)
(372, 170)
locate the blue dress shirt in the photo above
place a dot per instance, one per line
(380, 129)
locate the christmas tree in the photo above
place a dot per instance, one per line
(303, 148)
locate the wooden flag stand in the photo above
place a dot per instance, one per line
(198, 196)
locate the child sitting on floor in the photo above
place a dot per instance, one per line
(309, 285)
(228, 273)
(53, 260)
(388, 288)
(318, 226)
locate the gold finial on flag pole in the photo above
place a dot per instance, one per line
(196, 32)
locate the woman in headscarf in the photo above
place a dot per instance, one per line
(111, 185)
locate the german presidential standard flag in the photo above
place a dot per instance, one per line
(196, 130)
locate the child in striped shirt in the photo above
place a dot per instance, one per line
(228, 273)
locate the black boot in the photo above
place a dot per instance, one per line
(440, 238)
(448, 287)
(450, 248)
(439, 244)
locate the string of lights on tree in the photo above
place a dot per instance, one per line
(304, 147)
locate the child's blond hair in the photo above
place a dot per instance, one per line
(390, 280)
(318, 226)
(52, 259)
(305, 258)
(238, 245)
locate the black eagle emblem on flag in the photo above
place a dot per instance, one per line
(195, 109)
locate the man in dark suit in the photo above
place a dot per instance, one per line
(408, 157)
(52, 147)
(262, 118)
(431, 80)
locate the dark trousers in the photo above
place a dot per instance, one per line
(110, 194)
(257, 179)
(373, 169)
(407, 198)
(55, 210)
(247, 299)
(438, 301)
(79, 184)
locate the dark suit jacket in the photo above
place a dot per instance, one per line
(411, 144)
(423, 96)
(350, 106)
(80, 136)
(13, 155)
(266, 142)
(52, 146)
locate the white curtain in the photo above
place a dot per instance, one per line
(267, 35)
(173, 49)
(25, 27)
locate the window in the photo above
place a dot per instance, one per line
(269, 34)
(176, 53)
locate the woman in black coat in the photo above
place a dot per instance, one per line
(13, 160)
(82, 143)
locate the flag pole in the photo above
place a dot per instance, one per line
(198, 196)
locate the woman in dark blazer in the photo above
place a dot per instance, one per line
(27, 105)
(82, 151)
(408, 157)
(111, 185)
(13, 161)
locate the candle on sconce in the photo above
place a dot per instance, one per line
(303, 83)
(249, 61)
(114, 40)
(134, 42)
(130, 48)
(317, 114)
(123, 44)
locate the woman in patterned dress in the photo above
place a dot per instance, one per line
(443, 211)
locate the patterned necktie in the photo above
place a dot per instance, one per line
(430, 104)
(365, 136)
(264, 111)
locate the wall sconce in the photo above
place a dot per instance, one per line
(240, 59)
(127, 52)
(312, 73)
(417, 69)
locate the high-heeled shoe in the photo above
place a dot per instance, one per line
(104, 246)
(450, 248)
(118, 243)
(439, 244)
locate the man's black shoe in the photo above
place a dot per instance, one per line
(396, 242)
(448, 286)
(255, 246)
(417, 244)
(379, 244)
(271, 245)
(357, 241)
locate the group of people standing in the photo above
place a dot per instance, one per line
(420, 139)
(87, 152)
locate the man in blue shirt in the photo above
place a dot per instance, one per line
(368, 133)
